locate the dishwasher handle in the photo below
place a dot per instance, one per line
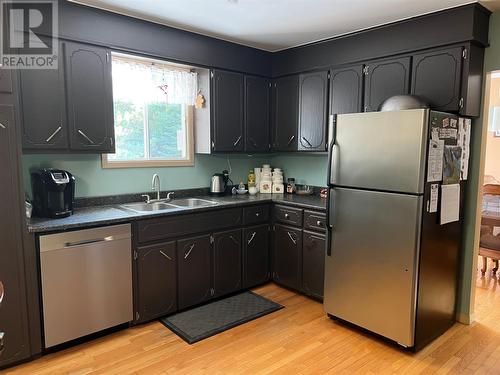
(88, 242)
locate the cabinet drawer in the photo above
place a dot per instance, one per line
(288, 215)
(315, 221)
(255, 214)
(187, 224)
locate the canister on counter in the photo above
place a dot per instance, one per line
(290, 186)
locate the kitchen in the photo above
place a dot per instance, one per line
(131, 155)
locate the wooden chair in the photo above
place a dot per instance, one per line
(489, 244)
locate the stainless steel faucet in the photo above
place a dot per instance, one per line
(155, 185)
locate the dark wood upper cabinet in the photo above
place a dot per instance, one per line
(257, 118)
(89, 97)
(386, 78)
(313, 111)
(313, 264)
(436, 76)
(14, 334)
(43, 109)
(255, 255)
(5, 81)
(287, 256)
(346, 89)
(194, 256)
(285, 113)
(227, 262)
(156, 280)
(227, 111)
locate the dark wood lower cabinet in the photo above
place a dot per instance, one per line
(255, 255)
(313, 264)
(227, 262)
(194, 259)
(287, 256)
(156, 280)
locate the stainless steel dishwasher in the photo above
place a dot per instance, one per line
(86, 282)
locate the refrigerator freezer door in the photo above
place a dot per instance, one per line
(380, 150)
(370, 276)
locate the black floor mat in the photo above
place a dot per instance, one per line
(208, 320)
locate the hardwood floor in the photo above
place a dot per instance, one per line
(298, 339)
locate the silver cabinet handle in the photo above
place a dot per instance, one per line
(85, 136)
(2, 293)
(165, 255)
(251, 237)
(2, 341)
(189, 251)
(2, 126)
(237, 141)
(287, 216)
(319, 223)
(291, 237)
(305, 140)
(53, 134)
(257, 214)
(290, 140)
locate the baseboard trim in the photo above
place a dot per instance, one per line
(465, 318)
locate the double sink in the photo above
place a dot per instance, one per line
(171, 205)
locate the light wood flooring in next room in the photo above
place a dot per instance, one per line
(298, 339)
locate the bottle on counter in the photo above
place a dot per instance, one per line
(290, 186)
(251, 178)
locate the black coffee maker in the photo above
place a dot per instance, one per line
(53, 193)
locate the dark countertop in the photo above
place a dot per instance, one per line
(114, 214)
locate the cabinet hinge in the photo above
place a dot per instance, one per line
(328, 75)
(212, 240)
(212, 292)
(211, 74)
(461, 103)
(270, 84)
(111, 141)
(107, 57)
(213, 145)
(137, 316)
(135, 255)
(464, 53)
(366, 70)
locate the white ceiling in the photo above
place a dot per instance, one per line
(274, 24)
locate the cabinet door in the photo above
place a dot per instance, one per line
(436, 77)
(5, 80)
(313, 264)
(89, 97)
(227, 262)
(386, 78)
(285, 113)
(14, 339)
(194, 277)
(313, 102)
(227, 111)
(43, 109)
(255, 255)
(156, 280)
(257, 102)
(346, 90)
(287, 256)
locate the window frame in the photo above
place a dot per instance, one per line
(106, 163)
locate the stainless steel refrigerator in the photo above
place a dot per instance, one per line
(390, 268)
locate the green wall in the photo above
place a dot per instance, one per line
(92, 180)
(491, 62)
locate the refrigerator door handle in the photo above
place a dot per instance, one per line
(331, 136)
(329, 224)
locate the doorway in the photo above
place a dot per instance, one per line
(487, 287)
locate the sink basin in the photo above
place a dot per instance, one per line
(149, 207)
(193, 202)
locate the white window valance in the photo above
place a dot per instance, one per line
(152, 81)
